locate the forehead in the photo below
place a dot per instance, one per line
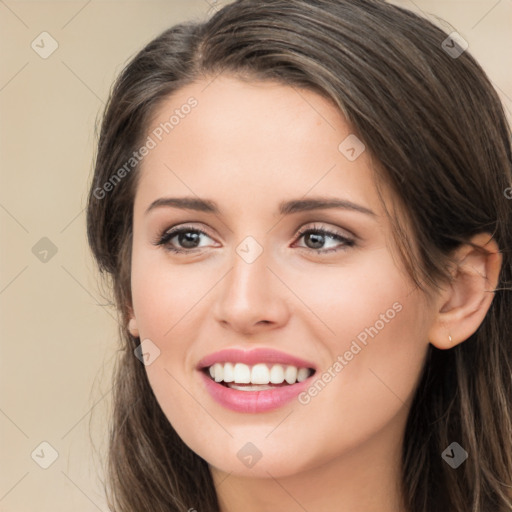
(253, 144)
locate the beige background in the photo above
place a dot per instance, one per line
(58, 338)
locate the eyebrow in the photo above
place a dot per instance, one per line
(285, 207)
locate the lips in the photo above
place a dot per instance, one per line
(243, 395)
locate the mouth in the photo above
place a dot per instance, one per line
(255, 388)
(257, 377)
(254, 381)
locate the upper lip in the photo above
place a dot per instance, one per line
(252, 357)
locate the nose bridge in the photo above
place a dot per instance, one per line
(251, 294)
(250, 274)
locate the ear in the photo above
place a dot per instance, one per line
(132, 323)
(463, 304)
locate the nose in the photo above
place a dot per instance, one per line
(252, 297)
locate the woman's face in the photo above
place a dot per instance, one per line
(334, 296)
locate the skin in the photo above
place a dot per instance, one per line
(248, 146)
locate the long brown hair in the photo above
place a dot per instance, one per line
(436, 127)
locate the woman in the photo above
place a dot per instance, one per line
(303, 207)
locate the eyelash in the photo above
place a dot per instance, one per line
(165, 237)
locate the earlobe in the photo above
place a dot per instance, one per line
(463, 304)
(132, 327)
(132, 322)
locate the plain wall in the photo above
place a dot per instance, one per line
(58, 336)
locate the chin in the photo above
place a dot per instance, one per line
(274, 464)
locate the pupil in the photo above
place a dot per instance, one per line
(186, 238)
(319, 239)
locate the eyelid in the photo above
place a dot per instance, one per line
(337, 231)
(169, 233)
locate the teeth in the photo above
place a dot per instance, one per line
(229, 373)
(218, 372)
(276, 374)
(250, 388)
(302, 374)
(241, 373)
(290, 374)
(260, 374)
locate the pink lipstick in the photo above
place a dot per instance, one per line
(254, 381)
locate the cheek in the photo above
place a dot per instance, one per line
(374, 325)
(375, 366)
(163, 294)
(167, 304)
(369, 292)
(171, 305)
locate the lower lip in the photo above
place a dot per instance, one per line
(253, 401)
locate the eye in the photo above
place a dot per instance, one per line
(187, 236)
(318, 236)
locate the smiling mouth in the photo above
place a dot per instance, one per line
(258, 377)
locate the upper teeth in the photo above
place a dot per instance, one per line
(258, 374)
